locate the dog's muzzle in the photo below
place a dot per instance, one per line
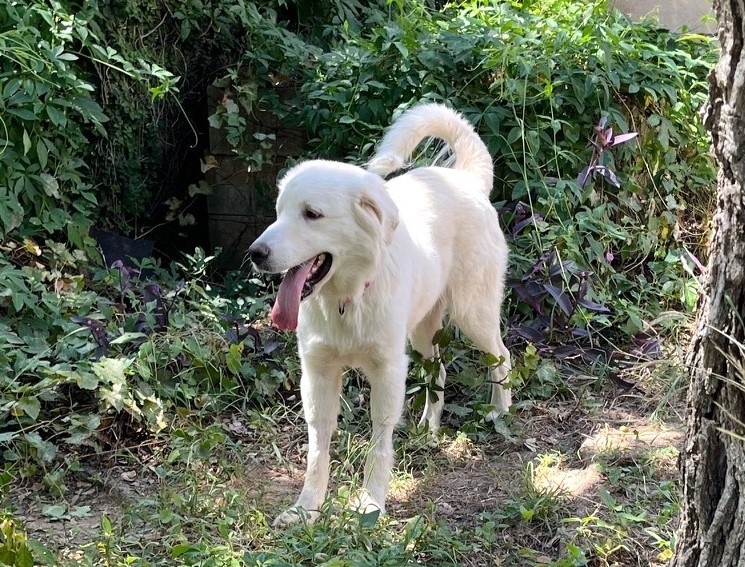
(259, 253)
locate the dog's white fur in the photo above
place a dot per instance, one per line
(405, 252)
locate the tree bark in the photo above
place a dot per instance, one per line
(712, 529)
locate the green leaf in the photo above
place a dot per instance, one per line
(489, 359)
(501, 428)
(89, 108)
(113, 390)
(50, 184)
(23, 557)
(469, 377)
(442, 337)
(11, 88)
(54, 511)
(182, 549)
(203, 188)
(56, 116)
(77, 229)
(526, 513)
(22, 113)
(106, 527)
(26, 142)
(128, 337)
(30, 406)
(80, 512)
(78, 437)
(607, 499)
(460, 411)
(42, 554)
(215, 121)
(369, 519)
(7, 436)
(402, 49)
(45, 451)
(111, 370)
(514, 135)
(11, 213)
(86, 381)
(234, 358)
(42, 153)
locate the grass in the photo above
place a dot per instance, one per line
(526, 493)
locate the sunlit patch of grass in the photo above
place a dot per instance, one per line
(402, 484)
(531, 503)
(663, 462)
(461, 448)
(627, 529)
(551, 475)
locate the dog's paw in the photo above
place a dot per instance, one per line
(365, 504)
(501, 402)
(295, 515)
(494, 415)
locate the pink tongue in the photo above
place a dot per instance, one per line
(287, 305)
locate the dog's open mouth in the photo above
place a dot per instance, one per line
(318, 270)
(298, 283)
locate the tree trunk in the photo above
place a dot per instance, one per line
(712, 530)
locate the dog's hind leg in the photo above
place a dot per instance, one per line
(421, 341)
(482, 326)
(320, 389)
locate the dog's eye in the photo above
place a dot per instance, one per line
(310, 214)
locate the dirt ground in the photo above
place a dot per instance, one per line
(559, 448)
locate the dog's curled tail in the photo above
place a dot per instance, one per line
(433, 121)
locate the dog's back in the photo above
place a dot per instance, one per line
(447, 209)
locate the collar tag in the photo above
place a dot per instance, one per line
(343, 302)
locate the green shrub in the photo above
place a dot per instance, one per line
(120, 351)
(50, 386)
(49, 115)
(46, 109)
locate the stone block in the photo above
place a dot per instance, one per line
(672, 14)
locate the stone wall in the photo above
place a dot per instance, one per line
(241, 205)
(697, 15)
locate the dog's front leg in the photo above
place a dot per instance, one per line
(387, 392)
(320, 389)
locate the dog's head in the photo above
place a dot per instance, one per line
(334, 221)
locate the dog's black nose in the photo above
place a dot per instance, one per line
(259, 252)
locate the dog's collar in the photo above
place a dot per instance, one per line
(344, 302)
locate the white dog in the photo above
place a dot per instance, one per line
(370, 263)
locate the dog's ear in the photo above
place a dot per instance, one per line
(375, 201)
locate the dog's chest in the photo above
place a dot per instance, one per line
(350, 332)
